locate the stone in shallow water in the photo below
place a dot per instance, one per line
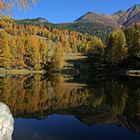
(6, 122)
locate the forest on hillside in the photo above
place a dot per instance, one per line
(36, 47)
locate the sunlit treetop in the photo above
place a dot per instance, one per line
(7, 5)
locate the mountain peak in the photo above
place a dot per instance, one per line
(119, 12)
(34, 21)
(93, 17)
(90, 12)
(41, 19)
(132, 15)
(137, 6)
(122, 17)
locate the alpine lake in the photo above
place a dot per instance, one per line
(60, 107)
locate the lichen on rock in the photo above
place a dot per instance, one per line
(6, 122)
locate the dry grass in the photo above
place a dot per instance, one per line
(68, 56)
(74, 56)
(23, 71)
(2, 72)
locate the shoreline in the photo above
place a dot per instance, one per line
(21, 72)
(131, 73)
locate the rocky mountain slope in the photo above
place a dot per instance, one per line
(98, 18)
(120, 18)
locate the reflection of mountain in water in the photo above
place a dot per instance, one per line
(106, 101)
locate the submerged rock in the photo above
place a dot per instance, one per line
(6, 122)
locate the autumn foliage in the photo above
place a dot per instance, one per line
(35, 47)
(38, 47)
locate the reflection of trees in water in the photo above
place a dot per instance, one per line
(132, 109)
(37, 95)
(116, 95)
(133, 100)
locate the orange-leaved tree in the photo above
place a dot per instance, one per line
(6, 5)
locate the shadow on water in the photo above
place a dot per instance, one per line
(105, 101)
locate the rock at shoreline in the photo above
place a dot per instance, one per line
(6, 122)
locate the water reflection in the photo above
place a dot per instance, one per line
(100, 102)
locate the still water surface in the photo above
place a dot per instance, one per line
(59, 108)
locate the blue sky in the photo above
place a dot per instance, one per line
(58, 11)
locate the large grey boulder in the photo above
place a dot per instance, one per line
(6, 122)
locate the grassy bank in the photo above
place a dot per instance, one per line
(2, 72)
(24, 71)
